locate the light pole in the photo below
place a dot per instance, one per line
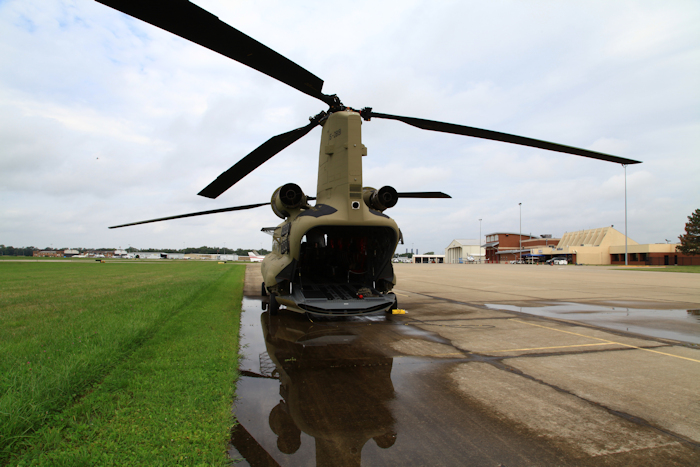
(521, 232)
(625, 167)
(480, 240)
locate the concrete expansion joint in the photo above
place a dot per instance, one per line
(642, 422)
(659, 340)
(624, 415)
(615, 332)
(579, 352)
(430, 322)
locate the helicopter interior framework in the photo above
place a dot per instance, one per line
(342, 264)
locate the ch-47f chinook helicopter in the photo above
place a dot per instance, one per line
(332, 257)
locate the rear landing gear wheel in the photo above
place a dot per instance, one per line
(274, 306)
(395, 306)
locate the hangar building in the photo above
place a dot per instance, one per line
(592, 246)
(459, 251)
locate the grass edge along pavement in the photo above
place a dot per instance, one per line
(168, 403)
(683, 269)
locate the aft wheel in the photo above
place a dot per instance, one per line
(263, 290)
(274, 306)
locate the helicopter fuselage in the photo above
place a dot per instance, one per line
(334, 258)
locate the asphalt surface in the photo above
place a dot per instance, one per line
(469, 377)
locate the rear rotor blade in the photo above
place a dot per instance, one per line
(423, 194)
(193, 214)
(254, 160)
(195, 24)
(498, 136)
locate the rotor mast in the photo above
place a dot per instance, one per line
(340, 161)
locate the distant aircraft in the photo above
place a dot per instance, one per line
(255, 257)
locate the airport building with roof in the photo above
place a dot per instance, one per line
(653, 254)
(591, 246)
(600, 246)
(581, 247)
(460, 251)
(503, 247)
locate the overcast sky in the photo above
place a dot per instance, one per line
(106, 120)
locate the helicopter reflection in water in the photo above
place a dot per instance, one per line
(335, 386)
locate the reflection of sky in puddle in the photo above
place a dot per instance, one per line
(294, 369)
(682, 325)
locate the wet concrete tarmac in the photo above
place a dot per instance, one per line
(450, 384)
(682, 325)
(337, 393)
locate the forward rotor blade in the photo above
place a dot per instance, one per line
(423, 194)
(193, 214)
(254, 160)
(195, 24)
(504, 137)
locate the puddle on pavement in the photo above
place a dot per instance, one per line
(315, 391)
(681, 325)
(335, 392)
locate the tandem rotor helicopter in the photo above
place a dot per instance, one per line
(332, 257)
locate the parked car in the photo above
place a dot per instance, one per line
(557, 260)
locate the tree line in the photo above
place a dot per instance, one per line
(211, 250)
(205, 250)
(12, 251)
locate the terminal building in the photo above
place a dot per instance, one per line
(600, 246)
(581, 247)
(504, 247)
(655, 254)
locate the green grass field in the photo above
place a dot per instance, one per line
(688, 269)
(117, 363)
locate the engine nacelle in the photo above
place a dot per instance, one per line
(381, 199)
(287, 198)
